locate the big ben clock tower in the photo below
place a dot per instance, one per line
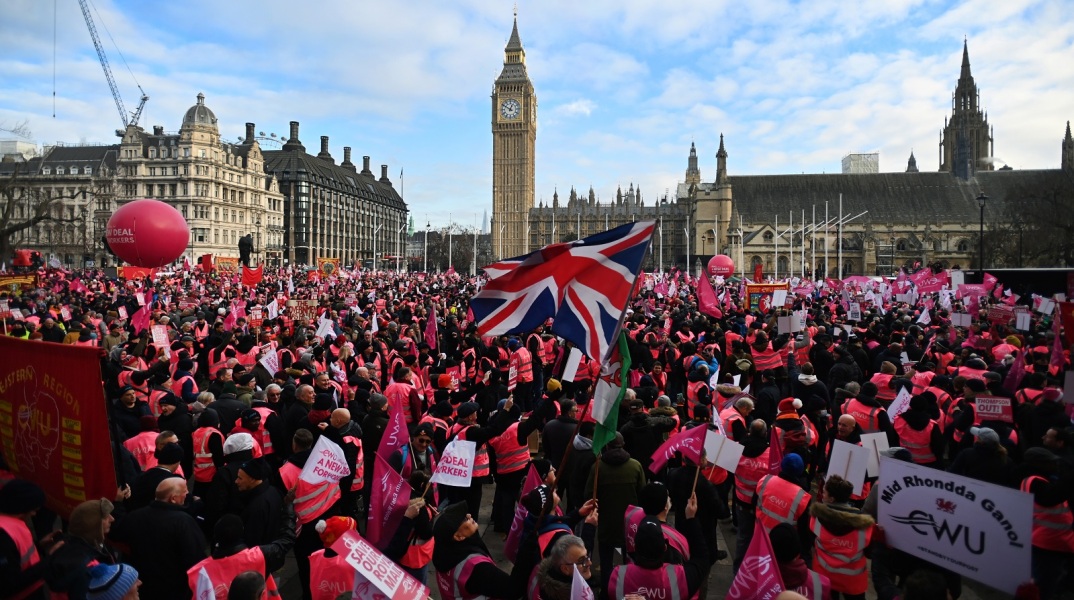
(514, 137)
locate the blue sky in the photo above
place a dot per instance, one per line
(623, 86)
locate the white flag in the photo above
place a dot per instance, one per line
(376, 324)
(205, 589)
(273, 309)
(325, 328)
(580, 590)
(456, 466)
(925, 317)
(326, 463)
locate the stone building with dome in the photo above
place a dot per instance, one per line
(225, 190)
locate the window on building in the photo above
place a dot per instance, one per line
(186, 189)
(768, 236)
(216, 214)
(152, 153)
(937, 245)
(848, 268)
(88, 170)
(171, 189)
(46, 171)
(963, 246)
(186, 152)
(183, 210)
(59, 170)
(900, 245)
(216, 236)
(202, 153)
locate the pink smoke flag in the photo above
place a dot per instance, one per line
(758, 578)
(690, 443)
(510, 545)
(775, 452)
(706, 298)
(1017, 372)
(395, 434)
(430, 328)
(140, 319)
(387, 502)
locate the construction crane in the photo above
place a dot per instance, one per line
(128, 120)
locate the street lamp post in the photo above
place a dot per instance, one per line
(258, 224)
(425, 264)
(981, 200)
(399, 245)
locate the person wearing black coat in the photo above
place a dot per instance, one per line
(557, 433)
(176, 417)
(580, 461)
(767, 397)
(261, 503)
(277, 430)
(229, 536)
(127, 413)
(228, 407)
(164, 540)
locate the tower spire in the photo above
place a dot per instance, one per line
(721, 163)
(965, 58)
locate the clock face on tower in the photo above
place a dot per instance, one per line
(510, 109)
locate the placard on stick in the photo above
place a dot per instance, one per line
(850, 462)
(723, 451)
(875, 443)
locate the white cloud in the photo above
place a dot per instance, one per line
(578, 108)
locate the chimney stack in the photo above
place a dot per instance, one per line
(347, 164)
(323, 154)
(384, 174)
(293, 142)
(158, 130)
(249, 133)
(365, 166)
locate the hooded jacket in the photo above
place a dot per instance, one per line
(620, 483)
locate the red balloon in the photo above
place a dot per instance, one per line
(148, 233)
(721, 265)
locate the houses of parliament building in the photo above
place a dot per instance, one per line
(889, 220)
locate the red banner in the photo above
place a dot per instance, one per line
(251, 277)
(53, 421)
(129, 272)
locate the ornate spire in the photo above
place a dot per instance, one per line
(721, 153)
(911, 165)
(1068, 138)
(721, 163)
(515, 43)
(965, 59)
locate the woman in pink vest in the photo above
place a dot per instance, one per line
(650, 577)
(330, 574)
(464, 567)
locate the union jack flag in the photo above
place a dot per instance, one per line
(584, 285)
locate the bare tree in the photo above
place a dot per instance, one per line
(1035, 228)
(20, 129)
(23, 206)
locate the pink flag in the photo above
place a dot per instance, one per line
(510, 545)
(387, 501)
(395, 434)
(706, 298)
(758, 578)
(989, 281)
(775, 452)
(231, 318)
(661, 288)
(1017, 372)
(140, 319)
(690, 442)
(430, 328)
(77, 286)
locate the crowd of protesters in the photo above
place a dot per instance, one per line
(209, 441)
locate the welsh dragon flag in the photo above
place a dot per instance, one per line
(609, 393)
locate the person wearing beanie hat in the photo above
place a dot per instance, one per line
(869, 413)
(128, 410)
(261, 502)
(67, 568)
(985, 459)
(458, 545)
(21, 568)
(649, 568)
(231, 556)
(466, 428)
(919, 433)
(796, 575)
(327, 568)
(112, 582)
(654, 504)
(782, 499)
(183, 383)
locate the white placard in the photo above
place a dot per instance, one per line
(273, 309)
(783, 324)
(979, 530)
(875, 443)
(900, 404)
(140, 297)
(1046, 306)
(850, 462)
(326, 463)
(456, 466)
(325, 328)
(376, 575)
(736, 378)
(271, 361)
(961, 320)
(957, 278)
(779, 298)
(570, 368)
(800, 320)
(1023, 321)
(723, 451)
(854, 313)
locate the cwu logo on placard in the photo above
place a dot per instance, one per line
(923, 523)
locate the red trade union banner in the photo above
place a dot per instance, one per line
(994, 408)
(53, 421)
